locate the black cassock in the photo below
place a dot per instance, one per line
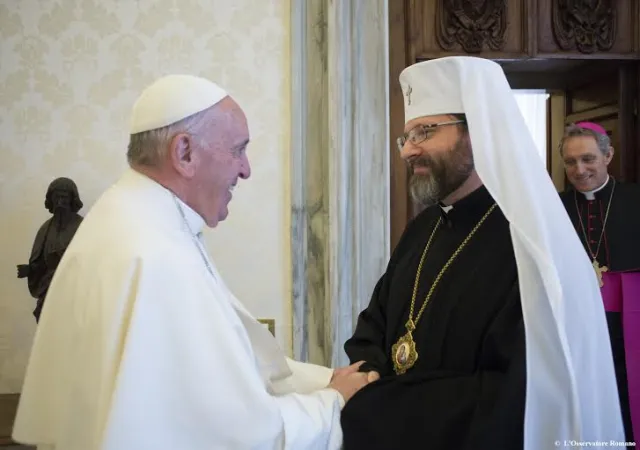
(619, 251)
(467, 388)
(620, 248)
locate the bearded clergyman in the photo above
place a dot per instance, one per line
(487, 328)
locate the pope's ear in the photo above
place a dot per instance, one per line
(181, 154)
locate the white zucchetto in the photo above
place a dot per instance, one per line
(173, 98)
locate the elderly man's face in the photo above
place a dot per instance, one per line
(222, 160)
(441, 162)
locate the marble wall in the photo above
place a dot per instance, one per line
(340, 169)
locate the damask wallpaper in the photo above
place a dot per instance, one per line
(69, 73)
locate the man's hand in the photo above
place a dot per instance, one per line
(353, 368)
(348, 381)
(23, 270)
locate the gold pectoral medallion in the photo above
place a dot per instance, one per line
(404, 353)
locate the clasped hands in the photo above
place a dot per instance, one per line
(348, 380)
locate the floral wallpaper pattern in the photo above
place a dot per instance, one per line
(69, 73)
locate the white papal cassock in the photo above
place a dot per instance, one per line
(141, 347)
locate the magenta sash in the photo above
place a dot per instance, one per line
(621, 293)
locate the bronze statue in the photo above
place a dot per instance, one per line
(63, 201)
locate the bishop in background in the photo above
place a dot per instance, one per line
(606, 215)
(487, 328)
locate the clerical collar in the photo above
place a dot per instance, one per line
(591, 195)
(468, 210)
(445, 208)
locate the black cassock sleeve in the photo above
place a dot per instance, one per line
(443, 409)
(368, 341)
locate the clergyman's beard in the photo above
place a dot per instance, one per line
(446, 174)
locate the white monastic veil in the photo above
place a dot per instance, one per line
(571, 386)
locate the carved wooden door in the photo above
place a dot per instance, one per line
(565, 46)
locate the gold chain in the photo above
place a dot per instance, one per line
(411, 324)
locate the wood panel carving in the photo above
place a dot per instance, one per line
(472, 24)
(586, 25)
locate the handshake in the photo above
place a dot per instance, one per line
(347, 380)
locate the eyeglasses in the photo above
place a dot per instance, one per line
(423, 132)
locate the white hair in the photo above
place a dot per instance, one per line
(148, 148)
(573, 130)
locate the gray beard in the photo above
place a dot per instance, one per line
(447, 173)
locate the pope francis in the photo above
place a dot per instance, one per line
(141, 346)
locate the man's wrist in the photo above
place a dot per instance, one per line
(340, 397)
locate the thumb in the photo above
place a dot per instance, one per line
(373, 376)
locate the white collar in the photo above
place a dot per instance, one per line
(590, 195)
(446, 208)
